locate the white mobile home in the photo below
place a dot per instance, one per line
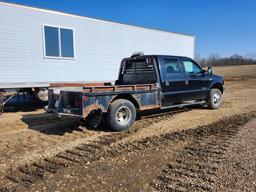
(39, 46)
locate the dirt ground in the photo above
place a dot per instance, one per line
(191, 149)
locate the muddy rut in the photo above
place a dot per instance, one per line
(46, 138)
(194, 168)
(65, 158)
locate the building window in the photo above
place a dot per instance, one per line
(51, 35)
(58, 42)
(67, 48)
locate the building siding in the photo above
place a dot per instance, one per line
(99, 46)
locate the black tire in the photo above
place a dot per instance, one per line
(121, 115)
(93, 120)
(104, 120)
(214, 99)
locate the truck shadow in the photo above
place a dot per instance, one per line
(50, 124)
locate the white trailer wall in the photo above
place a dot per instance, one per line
(99, 46)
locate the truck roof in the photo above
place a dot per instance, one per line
(158, 56)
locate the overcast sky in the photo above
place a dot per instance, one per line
(223, 27)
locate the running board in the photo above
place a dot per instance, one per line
(184, 105)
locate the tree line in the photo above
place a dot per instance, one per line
(216, 60)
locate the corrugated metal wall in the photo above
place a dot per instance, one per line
(99, 46)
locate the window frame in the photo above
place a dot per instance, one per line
(59, 40)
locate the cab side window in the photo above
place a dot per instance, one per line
(191, 67)
(172, 66)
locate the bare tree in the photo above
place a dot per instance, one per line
(236, 59)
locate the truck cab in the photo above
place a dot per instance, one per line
(179, 78)
(145, 82)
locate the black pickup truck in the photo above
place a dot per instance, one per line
(145, 82)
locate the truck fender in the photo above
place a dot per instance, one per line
(217, 85)
(91, 108)
(135, 99)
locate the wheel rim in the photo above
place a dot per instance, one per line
(123, 115)
(216, 98)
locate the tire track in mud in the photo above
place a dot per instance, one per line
(78, 133)
(197, 162)
(196, 166)
(82, 154)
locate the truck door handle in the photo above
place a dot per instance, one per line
(167, 83)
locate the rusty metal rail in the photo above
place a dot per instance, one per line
(97, 89)
(78, 84)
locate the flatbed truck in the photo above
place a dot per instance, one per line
(146, 82)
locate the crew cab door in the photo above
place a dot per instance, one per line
(174, 81)
(198, 82)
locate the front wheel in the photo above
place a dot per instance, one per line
(214, 99)
(121, 115)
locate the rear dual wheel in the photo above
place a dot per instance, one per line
(121, 115)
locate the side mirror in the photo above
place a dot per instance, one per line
(209, 71)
